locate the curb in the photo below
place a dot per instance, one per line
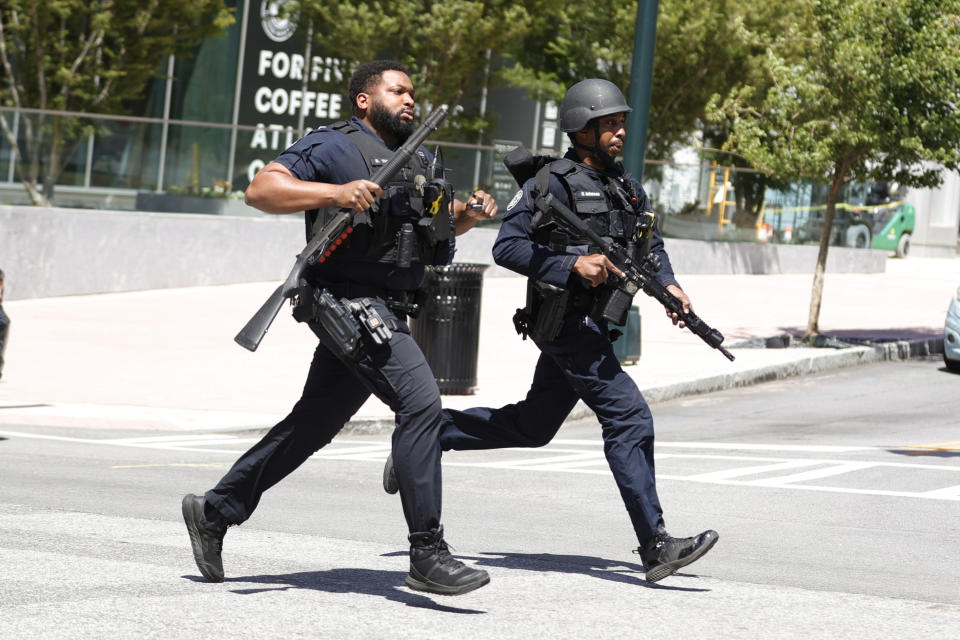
(820, 360)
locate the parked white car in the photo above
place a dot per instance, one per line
(951, 334)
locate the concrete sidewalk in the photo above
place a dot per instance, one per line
(166, 360)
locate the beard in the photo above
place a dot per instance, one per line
(391, 124)
(603, 158)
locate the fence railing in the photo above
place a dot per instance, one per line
(157, 164)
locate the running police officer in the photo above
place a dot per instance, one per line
(377, 271)
(568, 308)
(4, 325)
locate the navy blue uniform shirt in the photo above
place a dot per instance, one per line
(326, 155)
(516, 250)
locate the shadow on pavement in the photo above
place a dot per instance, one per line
(838, 339)
(880, 335)
(933, 452)
(601, 568)
(363, 581)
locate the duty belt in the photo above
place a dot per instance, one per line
(406, 302)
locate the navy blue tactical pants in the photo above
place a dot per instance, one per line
(580, 363)
(398, 374)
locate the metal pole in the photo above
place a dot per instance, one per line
(536, 126)
(165, 129)
(12, 173)
(235, 118)
(307, 69)
(641, 76)
(88, 164)
(483, 112)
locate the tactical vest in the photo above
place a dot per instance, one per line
(608, 208)
(392, 230)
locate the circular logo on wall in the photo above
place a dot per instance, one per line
(277, 23)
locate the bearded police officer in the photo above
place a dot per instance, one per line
(567, 312)
(375, 273)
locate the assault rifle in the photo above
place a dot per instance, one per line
(330, 236)
(637, 275)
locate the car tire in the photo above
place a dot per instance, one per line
(858, 237)
(952, 365)
(903, 246)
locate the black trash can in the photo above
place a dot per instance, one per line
(448, 326)
(627, 346)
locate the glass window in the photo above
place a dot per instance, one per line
(204, 83)
(126, 155)
(196, 159)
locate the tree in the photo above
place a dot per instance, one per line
(700, 50)
(874, 99)
(755, 28)
(445, 45)
(86, 56)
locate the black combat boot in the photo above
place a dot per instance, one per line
(663, 555)
(390, 484)
(433, 569)
(206, 528)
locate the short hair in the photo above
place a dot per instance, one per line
(366, 76)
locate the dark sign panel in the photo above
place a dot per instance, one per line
(282, 88)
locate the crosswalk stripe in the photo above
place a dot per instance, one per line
(816, 474)
(727, 474)
(582, 456)
(948, 493)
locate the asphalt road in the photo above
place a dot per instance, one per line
(837, 499)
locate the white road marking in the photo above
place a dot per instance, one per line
(577, 456)
(541, 461)
(726, 474)
(738, 446)
(949, 493)
(816, 474)
(185, 437)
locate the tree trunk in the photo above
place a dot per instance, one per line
(52, 167)
(750, 190)
(36, 197)
(816, 294)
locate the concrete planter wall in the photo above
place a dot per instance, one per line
(175, 203)
(55, 252)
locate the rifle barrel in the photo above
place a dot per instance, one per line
(642, 277)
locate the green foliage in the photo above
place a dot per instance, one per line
(873, 96)
(702, 48)
(94, 54)
(856, 90)
(569, 42)
(444, 45)
(86, 55)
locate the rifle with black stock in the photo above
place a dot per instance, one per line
(637, 275)
(331, 236)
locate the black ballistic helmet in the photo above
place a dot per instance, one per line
(589, 99)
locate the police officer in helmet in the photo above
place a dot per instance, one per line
(565, 316)
(376, 272)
